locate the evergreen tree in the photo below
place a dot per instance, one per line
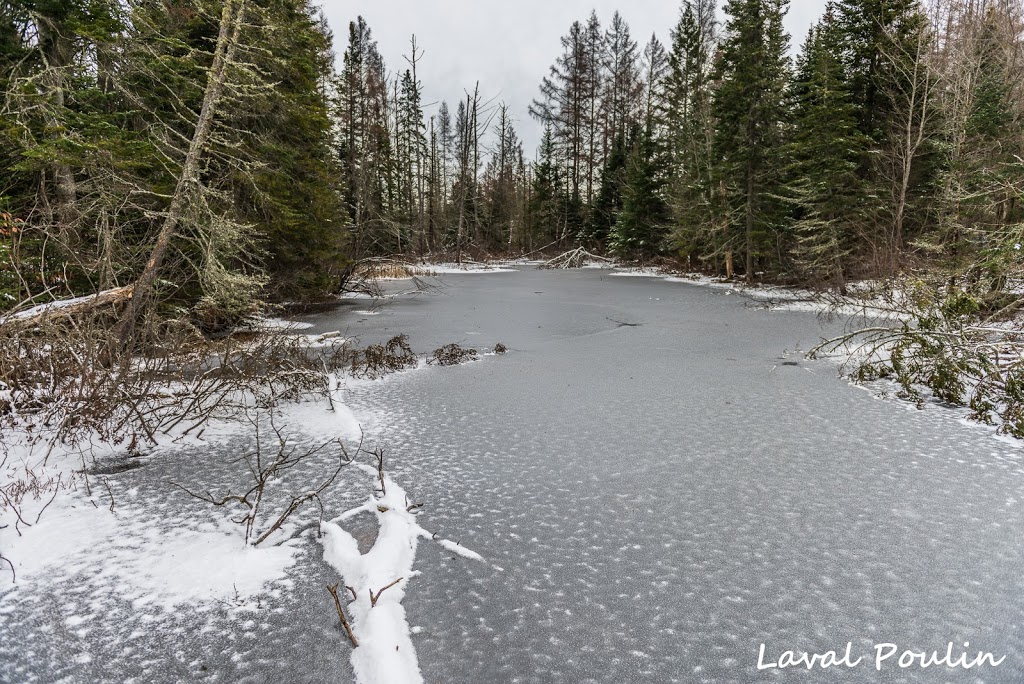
(501, 189)
(639, 228)
(688, 118)
(609, 198)
(362, 119)
(748, 107)
(641, 224)
(872, 31)
(623, 90)
(563, 104)
(593, 82)
(547, 195)
(825, 151)
(296, 197)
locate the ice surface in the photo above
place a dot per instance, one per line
(653, 501)
(665, 497)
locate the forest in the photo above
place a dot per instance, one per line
(891, 142)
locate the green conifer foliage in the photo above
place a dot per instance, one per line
(824, 153)
(748, 108)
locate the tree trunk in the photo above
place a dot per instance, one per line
(750, 226)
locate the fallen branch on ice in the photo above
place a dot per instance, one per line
(385, 653)
(574, 258)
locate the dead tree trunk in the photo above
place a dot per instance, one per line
(188, 180)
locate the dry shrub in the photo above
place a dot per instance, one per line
(265, 469)
(451, 355)
(61, 382)
(500, 348)
(378, 360)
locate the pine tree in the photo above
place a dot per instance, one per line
(445, 137)
(640, 226)
(58, 130)
(501, 189)
(593, 82)
(564, 106)
(623, 89)
(364, 133)
(608, 203)
(870, 31)
(297, 194)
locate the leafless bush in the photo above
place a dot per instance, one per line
(267, 468)
(500, 348)
(452, 354)
(60, 382)
(378, 360)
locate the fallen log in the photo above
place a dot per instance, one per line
(65, 308)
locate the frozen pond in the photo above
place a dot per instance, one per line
(665, 496)
(658, 481)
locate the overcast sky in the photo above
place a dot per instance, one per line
(508, 45)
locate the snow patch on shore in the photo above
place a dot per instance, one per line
(460, 269)
(639, 273)
(273, 323)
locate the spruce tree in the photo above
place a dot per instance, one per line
(687, 116)
(825, 152)
(296, 198)
(748, 107)
(546, 196)
(623, 89)
(608, 202)
(872, 32)
(564, 105)
(640, 225)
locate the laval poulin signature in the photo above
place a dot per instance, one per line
(880, 656)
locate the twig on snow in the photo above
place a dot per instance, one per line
(333, 589)
(375, 598)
